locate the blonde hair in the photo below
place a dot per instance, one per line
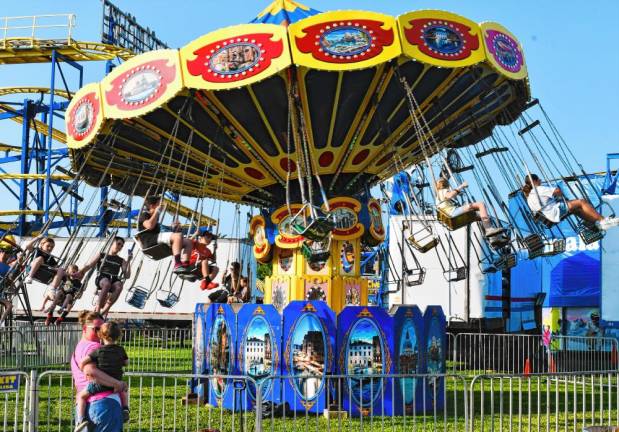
(110, 331)
(48, 240)
(86, 317)
(73, 267)
(442, 183)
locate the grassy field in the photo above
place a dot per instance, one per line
(499, 403)
(537, 403)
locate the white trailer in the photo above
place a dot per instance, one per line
(228, 251)
(477, 297)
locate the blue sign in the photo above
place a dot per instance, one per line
(220, 356)
(409, 359)
(9, 383)
(435, 351)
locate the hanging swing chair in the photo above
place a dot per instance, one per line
(423, 239)
(169, 297)
(457, 222)
(319, 226)
(137, 296)
(589, 232)
(45, 274)
(413, 276)
(316, 251)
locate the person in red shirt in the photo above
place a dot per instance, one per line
(204, 260)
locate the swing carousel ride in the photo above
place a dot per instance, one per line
(301, 119)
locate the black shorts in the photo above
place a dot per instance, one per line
(113, 280)
(71, 292)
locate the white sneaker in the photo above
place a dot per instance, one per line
(83, 425)
(607, 223)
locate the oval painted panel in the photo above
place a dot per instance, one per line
(443, 39)
(258, 353)
(231, 183)
(325, 159)
(235, 58)
(408, 360)
(360, 157)
(84, 117)
(365, 354)
(434, 348)
(345, 41)
(288, 164)
(140, 86)
(220, 357)
(307, 356)
(254, 173)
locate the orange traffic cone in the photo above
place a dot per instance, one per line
(527, 368)
(552, 367)
(613, 355)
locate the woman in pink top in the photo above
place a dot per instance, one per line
(104, 409)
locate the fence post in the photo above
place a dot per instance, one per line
(258, 427)
(33, 402)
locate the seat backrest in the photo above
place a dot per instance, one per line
(158, 252)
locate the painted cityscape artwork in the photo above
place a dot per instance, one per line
(364, 356)
(258, 351)
(220, 357)
(408, 361)
(308, 356)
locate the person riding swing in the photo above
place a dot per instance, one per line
(202, 259)
(445, 202)
(550, 203)
(109, 282)
(150, 235)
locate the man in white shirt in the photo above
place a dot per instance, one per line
(551, 203)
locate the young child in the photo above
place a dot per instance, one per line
(242, 294)
(110, 358)
(203, 258)
(64, 288)
(42, 255)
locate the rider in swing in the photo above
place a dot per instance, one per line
(203, 259)
(150, 234)
(111, 269)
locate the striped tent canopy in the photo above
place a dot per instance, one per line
(284, 12)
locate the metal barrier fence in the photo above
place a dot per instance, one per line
(558, 402)
(366, 403)
(484, 353)
(156, 401)
(542, 402)
(41, 347)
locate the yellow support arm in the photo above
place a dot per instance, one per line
(11, 176)
(186, 212)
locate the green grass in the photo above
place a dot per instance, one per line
(156, 404)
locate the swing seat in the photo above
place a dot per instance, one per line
(414, 277)
(167, 299)
(589, 233)
(454, 223)
(315, 255)
(540, 219)
(506, 262)
(534, 244)
(455, 274)
(499, 241)
(423, 245)
(158, 252)
(317, 230)
(137, 296)
(191, 276)
(44, 274)
(554, 247)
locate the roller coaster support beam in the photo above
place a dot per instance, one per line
(56, 58)
(24, 165)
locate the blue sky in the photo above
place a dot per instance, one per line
(570, 49)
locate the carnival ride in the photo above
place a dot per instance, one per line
(301, 114)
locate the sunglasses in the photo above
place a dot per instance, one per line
(95, 328)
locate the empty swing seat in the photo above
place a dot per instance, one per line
(534, 244)
(454, 223)
(455, 274)
(414, 277)
(167, 299)
(137, 296)
(589, 233)
(554, 247)
(506, 262)
(317, 230)
(423, 245)
(314, 254)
